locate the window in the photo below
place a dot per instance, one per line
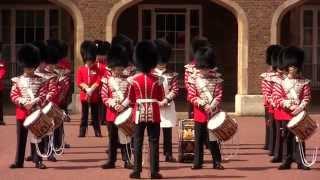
(310, 42)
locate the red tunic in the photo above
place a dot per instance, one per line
(267, 89)
(3, 70)
(89, 76)
(64, 63)
(20, 93)
(144, 91)
(199, 98)
(288, 92)
(114, 92)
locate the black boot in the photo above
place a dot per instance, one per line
(82, 132)
(52, 158)
(285, 165)
(97, 131)
(303, 167)
(169, 158)
(135, 175)
(40, 165)
(15, 166)
(216, 155)
(108, 165)
(2, 123)
(156, 176)
(29, 158)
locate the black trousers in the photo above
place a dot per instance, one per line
(153, 133)
(290, 146)
(278, 147)
(190, 110)
(272, 134)
(22, 134)
(167, 141)
(102, 111)
(267, 122)
(114, 144)
(94, 115)
(201, 136)
(1, 106)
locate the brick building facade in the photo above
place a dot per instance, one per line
(240, 31)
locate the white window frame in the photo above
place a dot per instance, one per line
(188, 8)
(315, 53)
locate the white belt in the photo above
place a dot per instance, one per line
(140, 101)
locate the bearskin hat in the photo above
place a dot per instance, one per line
(205, 58)
(102, 47)
(118, 56)
(41, 45)
(64, 49)
(53, 52)
(269, 52)
(124, 41)
(88, 51)
(29, 56)
(146, 56)
(275, 63)
(164, 50)
(293, 56)
(198, 43)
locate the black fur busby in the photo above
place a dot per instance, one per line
(164, 50)
(146, 56)
(88, 51)
(118, 56)
(53, 52)
(41, 45)
(29, 56)
(124, 41)
(275, 59)
(293, 56)
(64, 49)
(205, 58)
(198, 43)
(102, 47)
(269, 52)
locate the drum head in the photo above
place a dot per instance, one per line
(47, 108)
(295, 120)
(31, 118)
(217, 120)
(123, 117)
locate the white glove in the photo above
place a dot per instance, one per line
(297, 111)
(35, 101)
(89, 91)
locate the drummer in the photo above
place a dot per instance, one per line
(170, 84)
(292, 95)
(202, 108)
(28, 92)
(114, 94)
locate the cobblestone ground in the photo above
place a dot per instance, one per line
(82, 161)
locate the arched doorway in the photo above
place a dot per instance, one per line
(38, 20)
(222, 21)
(298, 24)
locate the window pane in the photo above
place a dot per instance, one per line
(307, 18)
(54, 33)
(20, 18)
(29, 18)
(307, 71)
(194, 18)
(181, 23)
(6, 52)
(160, 22)
(171, 38)
(146, 18)
(194, 32)
(6, 17)
(170, 22)
(39, 34)
(54, 18)
(39, 18)
(180, 40)
(20, 35)
(6, 35)
(161, 35)
(307, 36)
(30, 35)
(308, 55)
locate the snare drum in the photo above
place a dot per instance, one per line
(302, 126)
(222, 126)
(54, 112)
(38, 123)
(125, 123)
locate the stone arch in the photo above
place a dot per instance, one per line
(75, 13)
(232, 6)
(277, 17)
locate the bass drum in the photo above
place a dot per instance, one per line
(54, 112)
(222, 126)
(302, 126)
(125, 123)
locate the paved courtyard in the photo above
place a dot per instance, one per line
(82, 161)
